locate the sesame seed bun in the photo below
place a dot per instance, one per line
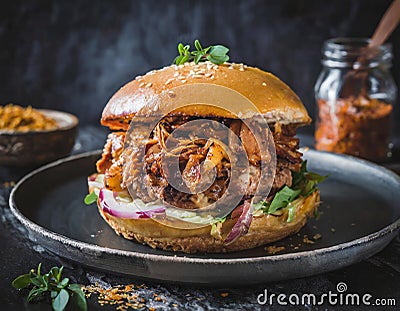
(272, 97)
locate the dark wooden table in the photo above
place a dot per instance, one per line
(378, 276)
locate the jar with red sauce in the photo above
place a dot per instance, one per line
(354, 112)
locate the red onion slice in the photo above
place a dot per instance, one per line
(242, 225)
(109, 204)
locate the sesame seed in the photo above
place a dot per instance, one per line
(264, 84)
(168, 81)
(149, 84)
(141, 84)
(171, 94)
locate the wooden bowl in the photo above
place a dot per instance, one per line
(42, 146)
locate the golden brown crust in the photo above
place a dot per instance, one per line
(273, 98)
(263, 230)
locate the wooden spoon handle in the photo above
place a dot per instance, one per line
(388, 23)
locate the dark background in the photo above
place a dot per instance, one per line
(73, 55)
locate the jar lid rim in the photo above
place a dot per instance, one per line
(350, 42)
(346, 43)
(346, 49)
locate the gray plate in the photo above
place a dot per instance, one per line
(359, 218)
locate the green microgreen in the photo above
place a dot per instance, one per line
(60, 289)
(90, 198)
(216, 54)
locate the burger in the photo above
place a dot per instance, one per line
(132, 188)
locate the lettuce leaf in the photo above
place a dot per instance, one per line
(304, 183)
(282, 198)
(90, 198)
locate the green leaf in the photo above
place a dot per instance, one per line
(213, 59)
(22, 281)
(38, 268)
(181, 60)
(291, 212)
(306, 181)
(54, 273)
(177, 60)
(63, 283)
(316, 177)
(216, 54)
(224, 59)
(303, 183)
(262, 205)
(90, 198)
(219, 50)
(37, 281)
(197, 45)
(45, 279)
(197, 58)
(78, 297)
(311, 182)
(181, 49)
(61, 300)
(52, 284)
(298, 177)
(34, 293)
(217, 60)
(60, 271)
(283, 198)
(184, 59)
(218, 219)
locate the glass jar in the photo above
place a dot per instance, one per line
(354, 107)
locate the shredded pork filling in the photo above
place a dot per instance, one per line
(121, 167)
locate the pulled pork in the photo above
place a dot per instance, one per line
(196, 158)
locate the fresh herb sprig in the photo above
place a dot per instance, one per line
(60, 289)
(216, 54)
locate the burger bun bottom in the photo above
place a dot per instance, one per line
(263, 230)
